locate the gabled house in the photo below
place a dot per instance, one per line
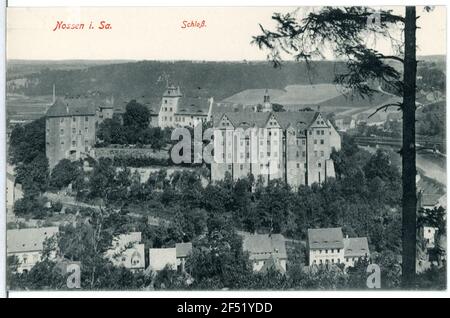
(127, 251)
(266, 251)
(328, 246)
(28, 245)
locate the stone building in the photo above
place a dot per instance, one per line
(328, 246)
(27, 245)
(294, 146)
(179, 111)
(70, 129)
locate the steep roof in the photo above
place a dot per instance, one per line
(183, 249)
(193, 106)
(263, 246)
(28, 240)
(356, 247)
(299, 120)
(72, 107)
(325, 238)
(272, 263)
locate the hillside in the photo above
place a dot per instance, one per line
(137, 79)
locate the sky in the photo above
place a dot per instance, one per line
(145, 33)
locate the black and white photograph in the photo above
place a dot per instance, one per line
(265, 148)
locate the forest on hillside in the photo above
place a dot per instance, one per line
(147, 78)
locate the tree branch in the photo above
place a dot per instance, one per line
(385, 107)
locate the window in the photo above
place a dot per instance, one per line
(165, 101)
(298, 166)
(317, 132)
(86, 118)
(298, 154)
(242, 167)
(62, 120)
(62, 142)
(315, 153)
(74, 119)
(315, 141)
(303, 142)
(229, 167)
(319, 165)
(303, 154)
(322, 153)
(322, 141)
(268, 154)
(170, 109)
(310, 132)
(74, 143)
(62, 131)
(322, 132)
(74, 130)
(275, 133)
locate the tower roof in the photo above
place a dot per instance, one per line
(172, 91)
(72, 107)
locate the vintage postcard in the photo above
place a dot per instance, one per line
(226, 148)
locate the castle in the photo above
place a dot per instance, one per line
(71, 123)
(178, 111)
(294, 146)
(70, 127)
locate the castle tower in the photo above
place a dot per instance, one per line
(267, 106)
(169, 106)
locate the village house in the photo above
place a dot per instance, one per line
(344, 123)
(173, 258)
(160, 258)
(266, 251)
(328, 246)
(292, 146)
(127, 251)
(27, 245)
(354, 249)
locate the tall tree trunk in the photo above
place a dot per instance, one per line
(409, 200)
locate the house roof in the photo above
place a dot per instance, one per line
(431, 199)
(325, 238)
(272, 263)
(356, 246)
(193, 106)
(263, 246)
(28, 240)
(299, 120)
(73, 107)
(183, 249)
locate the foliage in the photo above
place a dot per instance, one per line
(64, 173)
